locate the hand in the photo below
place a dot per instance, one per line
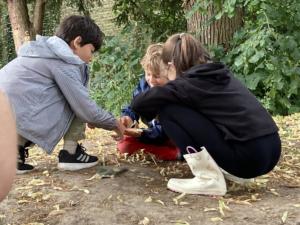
(119, 131)
(133, 132)
(126, 121)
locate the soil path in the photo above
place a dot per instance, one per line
(139, 195)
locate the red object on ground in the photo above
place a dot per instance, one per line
(167, 151)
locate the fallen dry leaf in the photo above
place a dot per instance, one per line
(284, 216)
(96, 176)
(145, 221)
(160, 202)
(184, 203)
(56, 212)
(119, 198)
(180, 222)
(75, 188)
(176, 199)
(57, 188)
(109, 197)
(274, 192)
(216, 219)
(149, 199)
(46, 197)
(46, 173)
(23, 201)
(24, 188)
(37, 182)
(222, 207)
(34, 223)
(209, 209)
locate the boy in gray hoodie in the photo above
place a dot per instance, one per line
(47, 87)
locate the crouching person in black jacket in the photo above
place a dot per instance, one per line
(218, 125)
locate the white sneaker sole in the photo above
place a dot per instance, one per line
(198, 192)
(20, 172)
(75, 166)
(209, 192)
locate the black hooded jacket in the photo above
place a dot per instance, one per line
(211, 90)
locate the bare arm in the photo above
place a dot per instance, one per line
(8, 147)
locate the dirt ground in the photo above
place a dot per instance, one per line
(139, 195)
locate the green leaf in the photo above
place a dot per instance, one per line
(270, 66)
(296, 54)
(255, 58)
(253, 80)
(285, 102)
(95, 66)
(238, 61)
(219, 15)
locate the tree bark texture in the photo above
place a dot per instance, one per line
(38, 16)
(20, 23)
(217, 32)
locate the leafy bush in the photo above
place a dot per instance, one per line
(52, 17)
(116, 70)
(7, 48)
(158, 18)
(266, 53)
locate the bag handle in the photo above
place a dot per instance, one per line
(190, 150)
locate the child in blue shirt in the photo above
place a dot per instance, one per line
(151, 139)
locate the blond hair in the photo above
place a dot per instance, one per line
(184, 51)
(152, 59)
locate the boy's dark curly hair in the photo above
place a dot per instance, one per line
(83, 26)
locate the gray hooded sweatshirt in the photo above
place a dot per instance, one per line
(47, 87)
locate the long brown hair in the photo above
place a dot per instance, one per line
(184, 51)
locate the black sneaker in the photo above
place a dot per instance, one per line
(80, 160)
(22, 167)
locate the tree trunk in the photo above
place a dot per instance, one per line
(217, 32)
(20, 23)
(38, 16)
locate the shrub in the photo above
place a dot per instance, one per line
(116, 70)
(265, 54)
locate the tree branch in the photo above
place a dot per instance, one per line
(38, 15)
